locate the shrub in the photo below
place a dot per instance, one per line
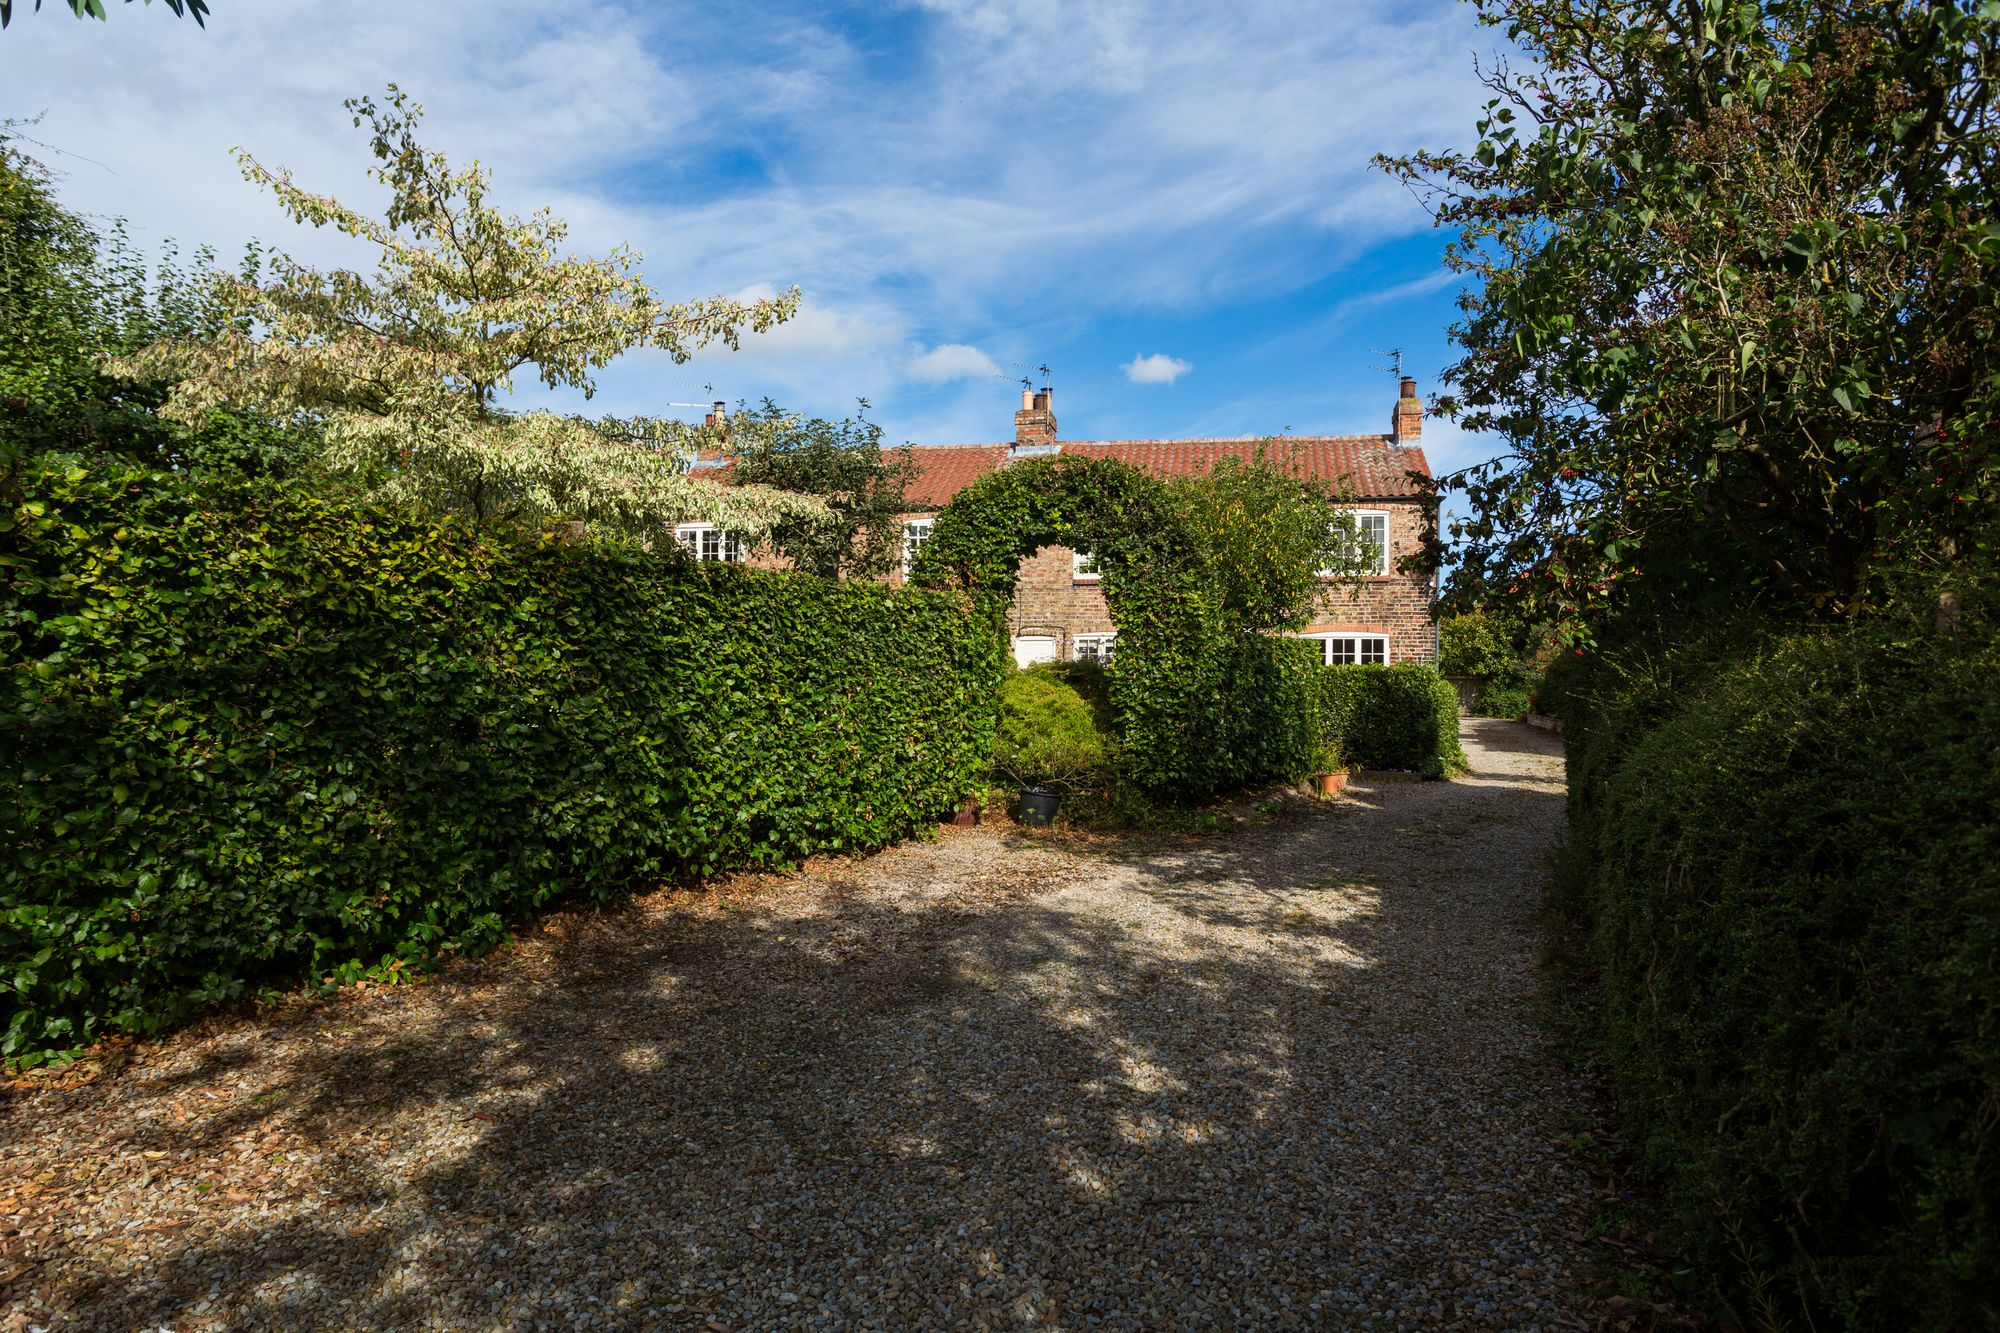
(1402, 716)
(1793, 894)
(256, 736)
(1498, 700)
(1048, 733)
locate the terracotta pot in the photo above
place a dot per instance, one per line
(1330, 784)
(967, 814)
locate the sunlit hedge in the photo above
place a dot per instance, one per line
(260, 736)
(1402, 716)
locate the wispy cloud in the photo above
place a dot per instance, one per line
(1159, 368)
(996, 175)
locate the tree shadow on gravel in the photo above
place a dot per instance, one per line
(1283, 1078)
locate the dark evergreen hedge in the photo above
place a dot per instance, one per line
(1790, 871)
(261, 736)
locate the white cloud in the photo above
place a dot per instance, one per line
(952, 361)
(1159, 368)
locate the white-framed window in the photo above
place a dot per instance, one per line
(705, 541)
(1096, 648)
(1371, 532)
(916, 532)
(1083, 567)
(1352, 649)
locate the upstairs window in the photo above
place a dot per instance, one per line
(916, 532)
(705, 541)
(1352, 649)
(1083, 567)
(1367, 545)
(1096, 648)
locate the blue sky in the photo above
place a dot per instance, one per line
(1169, 204)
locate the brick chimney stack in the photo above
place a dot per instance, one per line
(1035, 423)
(1406, 427)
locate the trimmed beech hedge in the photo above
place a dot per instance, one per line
(261, 736)
(1402, 716)
(1789, 866)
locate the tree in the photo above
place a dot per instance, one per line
(72, 294)
(95, 9)
(404, 373)
(1737, 306)
(1270, 538)
(843, 464)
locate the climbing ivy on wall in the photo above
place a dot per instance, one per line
(1206, 697)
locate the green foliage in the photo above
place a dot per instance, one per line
(1474, 643)
(1197, 574)
(71, 295)
(1403, 716)
(1792, 890)
(95, 9)
(1048, 734)
(839, 462)
(252, 735)
(1736, 313)
(1508, 700)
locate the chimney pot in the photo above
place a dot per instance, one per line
(1406, 424)
(1035, 423)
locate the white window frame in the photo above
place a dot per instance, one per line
(1362, 518)
(1357, 649)
(727, 547)
(1083, 567)
(916, 531)
(1102, 648)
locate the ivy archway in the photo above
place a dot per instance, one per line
(1196, 695)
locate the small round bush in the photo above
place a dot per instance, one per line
(1503, 701)
(1048, 733)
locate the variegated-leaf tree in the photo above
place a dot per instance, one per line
(406, 370)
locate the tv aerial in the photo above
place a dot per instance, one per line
(1395, 355)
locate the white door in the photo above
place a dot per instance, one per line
(1032, 648)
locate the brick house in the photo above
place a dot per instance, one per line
(1059, 612)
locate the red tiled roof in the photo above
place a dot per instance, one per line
(943, 470)
(1377, 469)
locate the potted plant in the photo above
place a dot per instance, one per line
(1047, 740)
(1329, 771)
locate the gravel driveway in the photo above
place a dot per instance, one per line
(1282, 1077)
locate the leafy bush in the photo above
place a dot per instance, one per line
(1792, 887)
(1048, 734)
(1402, 716)
(256, 736)
(1498, 700)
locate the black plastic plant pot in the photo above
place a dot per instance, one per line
(1038, 805)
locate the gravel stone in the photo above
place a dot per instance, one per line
(1283, 1077)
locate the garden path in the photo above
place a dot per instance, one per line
(1286, 1076)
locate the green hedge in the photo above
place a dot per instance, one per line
(262, 736)
(1402, 716)
(1791, 876)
